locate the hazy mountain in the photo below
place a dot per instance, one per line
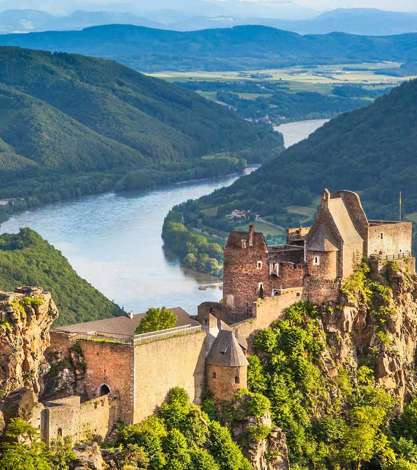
(353, 21)
(23, 21)
(238, 48)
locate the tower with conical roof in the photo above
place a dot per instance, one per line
(227, 367)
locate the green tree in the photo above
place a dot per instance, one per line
(157, 319)
(226, 453)
(21, 448)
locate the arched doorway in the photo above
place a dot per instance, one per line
(103, 390)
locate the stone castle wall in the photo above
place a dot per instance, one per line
(110, 364)
(266, 311)
(175, 359)
(68, 417)
(390, 239)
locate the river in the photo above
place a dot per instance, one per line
(114, 241)
(293, 132)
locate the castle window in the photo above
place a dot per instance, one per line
(382, 236)
(259, 265)
(103, 390)
(243, 243)
(214, 375)
(316, 261)
(237, 380)
(261, 290)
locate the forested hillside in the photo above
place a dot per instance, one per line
(371, 150)
(238, 48)
(71, 124)
(26, 259)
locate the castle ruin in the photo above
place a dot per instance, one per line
(125, 376)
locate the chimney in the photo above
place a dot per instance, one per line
(251, 234)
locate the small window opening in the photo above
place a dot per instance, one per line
(382, 236)
(237, 380)
(59, 432)
(103, 390)
(316, 261)
(261, 290)
(214, 375)
(259, 265)
(243, 243)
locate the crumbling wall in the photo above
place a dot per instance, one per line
(68, 417)
(390, 239)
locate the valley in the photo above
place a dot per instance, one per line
(97, 233)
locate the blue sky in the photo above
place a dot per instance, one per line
(277, 8)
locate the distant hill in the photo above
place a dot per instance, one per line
(242, 47)
(25, 21)
(371, 150)
(72, 124)
(27, 259)
(353, 21)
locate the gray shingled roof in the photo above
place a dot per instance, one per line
(226, 351)
(121, 326)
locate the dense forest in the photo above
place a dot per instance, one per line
(26, 259)
(237, 48)
(72, 125)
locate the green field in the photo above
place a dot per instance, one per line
(302, 78)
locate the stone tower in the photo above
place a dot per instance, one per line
(226, 367)
(246, 270)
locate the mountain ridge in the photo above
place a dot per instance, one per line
(68, 115)
(237, 48)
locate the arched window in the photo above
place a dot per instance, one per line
(59, 433)
(237, 380)
(103, 390)
(261, 290)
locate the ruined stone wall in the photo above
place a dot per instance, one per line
(243, 273)
(291, 275)
(68, 417)
(326, 267)
(267, 311)
(318, 291)
(167, 361)
(110, 364)
(223, 382)
(390, 239)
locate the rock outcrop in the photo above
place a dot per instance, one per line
(26, 316)
(265, 453)
(382, 331)
(88, 457)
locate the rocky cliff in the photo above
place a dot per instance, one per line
(26, 316)
(376, 323)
